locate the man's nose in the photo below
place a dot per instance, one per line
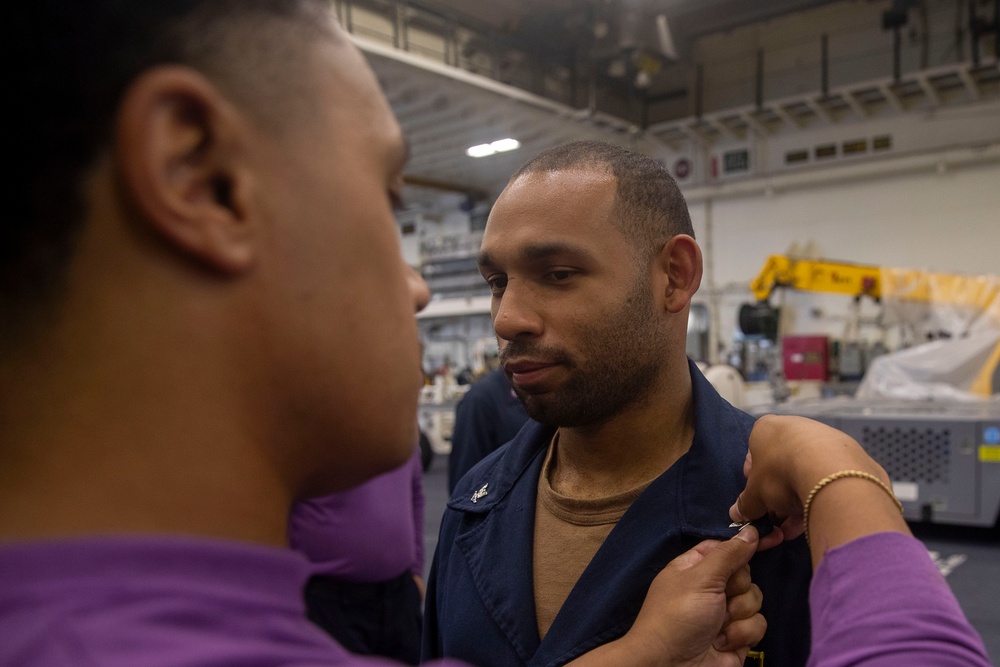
(419, 290)
(515, 314)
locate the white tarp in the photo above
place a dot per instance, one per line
(943, 369)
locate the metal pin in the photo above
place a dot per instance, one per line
(764, 525)
(480, 493)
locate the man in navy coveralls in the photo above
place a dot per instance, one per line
(549, 544)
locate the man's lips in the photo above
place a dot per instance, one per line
(526, 366)
(528, 374)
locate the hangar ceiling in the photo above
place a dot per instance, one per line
(464, 72)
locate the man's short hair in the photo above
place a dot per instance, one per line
(649, 206)
(74, 62)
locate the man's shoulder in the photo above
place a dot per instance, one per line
(716, 419)
(75, 600)
(502, 466)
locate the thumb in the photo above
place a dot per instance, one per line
(728, 557)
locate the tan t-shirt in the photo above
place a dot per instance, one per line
(568, 532)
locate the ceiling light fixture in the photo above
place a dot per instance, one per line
(498, 146)
(504, 145)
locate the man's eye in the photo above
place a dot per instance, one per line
(561, 275)
(497, 283)
(396, 199)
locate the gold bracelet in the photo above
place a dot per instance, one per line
(841, 475)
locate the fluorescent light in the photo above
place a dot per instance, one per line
(498, 146)
(482, 150)
(504, 145)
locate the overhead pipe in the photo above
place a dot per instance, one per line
(897, 73)
(895, 18)
(759, 88)
(824, 64)
(699, 91)
(973, 32)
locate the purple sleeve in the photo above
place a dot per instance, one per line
(880, 601)
(417, 482)
(365, 534)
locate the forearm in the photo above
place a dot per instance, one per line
(847, 509)
(816, 478)
(880, 601)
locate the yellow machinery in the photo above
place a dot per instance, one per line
(817, 276)
(978, 294)
(911, 293)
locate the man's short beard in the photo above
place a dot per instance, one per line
(623, 355)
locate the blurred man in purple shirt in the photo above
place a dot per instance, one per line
(199, 254)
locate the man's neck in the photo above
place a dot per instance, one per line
(632, 448)
(83, 453)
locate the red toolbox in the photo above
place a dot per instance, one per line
(806, 357)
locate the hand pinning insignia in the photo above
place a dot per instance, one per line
(480, 493)
(764, 525)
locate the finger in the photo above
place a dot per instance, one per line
(745, 605)
(773, 539)
(792, 527)
(728, 658)
(723, 561)
(747, 464)
(747, 507)
(693, 556)
(739, 583)
(705, 546)
(741, 635)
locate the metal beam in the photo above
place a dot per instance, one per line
(720, 126)
(819, 109)
(970, 83)
(781, 113)
(929, 90)
(854, 103)
(754, 124)
(891, 97)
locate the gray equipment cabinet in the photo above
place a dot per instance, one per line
(943, 458)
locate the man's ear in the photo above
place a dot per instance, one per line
(681, 264)
(180, 146)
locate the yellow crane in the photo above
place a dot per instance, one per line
(855, 280)
(979, 294)
(911, 291)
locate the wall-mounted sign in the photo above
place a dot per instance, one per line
(826, 151)
(731, 163)
(794, 157)
(855, 146)
(736, 162)
(682, 168)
